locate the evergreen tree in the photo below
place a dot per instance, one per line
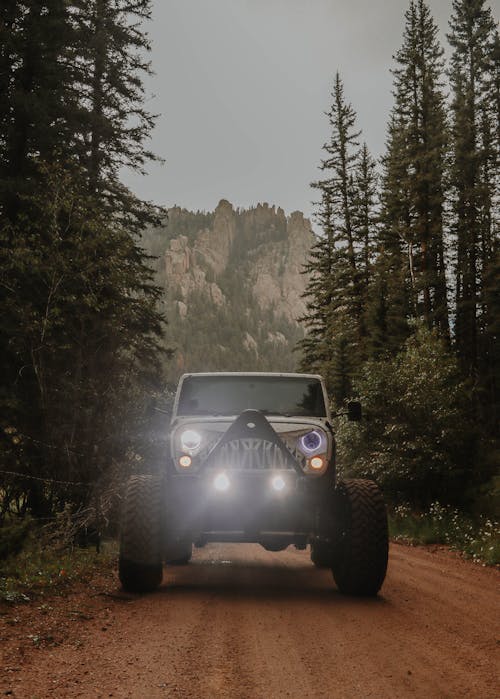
(109, 63)
(389, 299)
(340, 260)
(365, 218)
(79, 339)
(319, 290)
(417, 440)
(413, 195)
(34, 110)
(474, 75)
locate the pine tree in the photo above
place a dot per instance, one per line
(81, 329)
(474, 76)
(413, 193)
(365, 219)
(319, 290)
(34, 113)
(109, 65)
(340, 261)
(390, 295)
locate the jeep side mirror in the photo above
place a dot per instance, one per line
(354, 411)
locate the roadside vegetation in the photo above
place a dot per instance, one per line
(476, 538)
(81, 337)
(38, 561)
(403, 285)
(403, 289)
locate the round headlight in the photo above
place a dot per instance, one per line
(190, 439)
(221, 482)
(316, 463)
(311, 441)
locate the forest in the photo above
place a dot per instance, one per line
(402, 283)
(81, 332)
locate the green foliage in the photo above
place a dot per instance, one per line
(431, 423)
(478, 538)
(475, 148)
(340, 261)
(13, 534)
(41, 568)
(80, 329)
(417, 439)
(414, 183)
(81, 332)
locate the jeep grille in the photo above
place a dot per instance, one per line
(253, 454)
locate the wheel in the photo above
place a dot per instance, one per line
(179, 553)
(361, 563)
(321, 554)
(140, 564)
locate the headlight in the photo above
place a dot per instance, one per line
(317, 463)
(311, 442)
(190, 440)
(221, 482)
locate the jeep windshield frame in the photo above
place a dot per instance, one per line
(227, 395)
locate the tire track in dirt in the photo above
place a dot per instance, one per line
(243, 623)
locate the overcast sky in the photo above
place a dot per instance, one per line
(241, 87)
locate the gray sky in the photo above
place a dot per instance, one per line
(242, 87)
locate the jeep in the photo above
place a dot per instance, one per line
(252, 459)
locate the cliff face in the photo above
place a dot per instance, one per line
(233, 286)
(270, 252)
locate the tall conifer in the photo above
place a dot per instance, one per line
(80, 331)
(414, 191)
(474, 76)
(340, 260)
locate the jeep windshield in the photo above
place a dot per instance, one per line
(231, 395)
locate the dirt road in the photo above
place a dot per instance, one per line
(243, 622)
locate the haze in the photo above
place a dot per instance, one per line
(241, 87)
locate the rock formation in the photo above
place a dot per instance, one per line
(241, 269)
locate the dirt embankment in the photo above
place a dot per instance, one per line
(243, 622)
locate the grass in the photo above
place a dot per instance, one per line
(43, 567)
(478, 539)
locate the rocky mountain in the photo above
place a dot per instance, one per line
(233, 286)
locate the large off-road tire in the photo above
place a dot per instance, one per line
(360, 566)
(140, 563)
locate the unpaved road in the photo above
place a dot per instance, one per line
(245, 623)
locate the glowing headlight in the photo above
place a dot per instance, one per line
(221, 482)
(185, 461)
(316, 463)
(278, 483)
(311, 441)
(190, 439)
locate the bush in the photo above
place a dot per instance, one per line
(45, 565)
(478, 538)
(416, 440)
(13, 534)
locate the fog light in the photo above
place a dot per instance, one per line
(278, 483)
(316, 463)
(221, 482)
(185, 461)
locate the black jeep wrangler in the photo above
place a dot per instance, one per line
(252, 459)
